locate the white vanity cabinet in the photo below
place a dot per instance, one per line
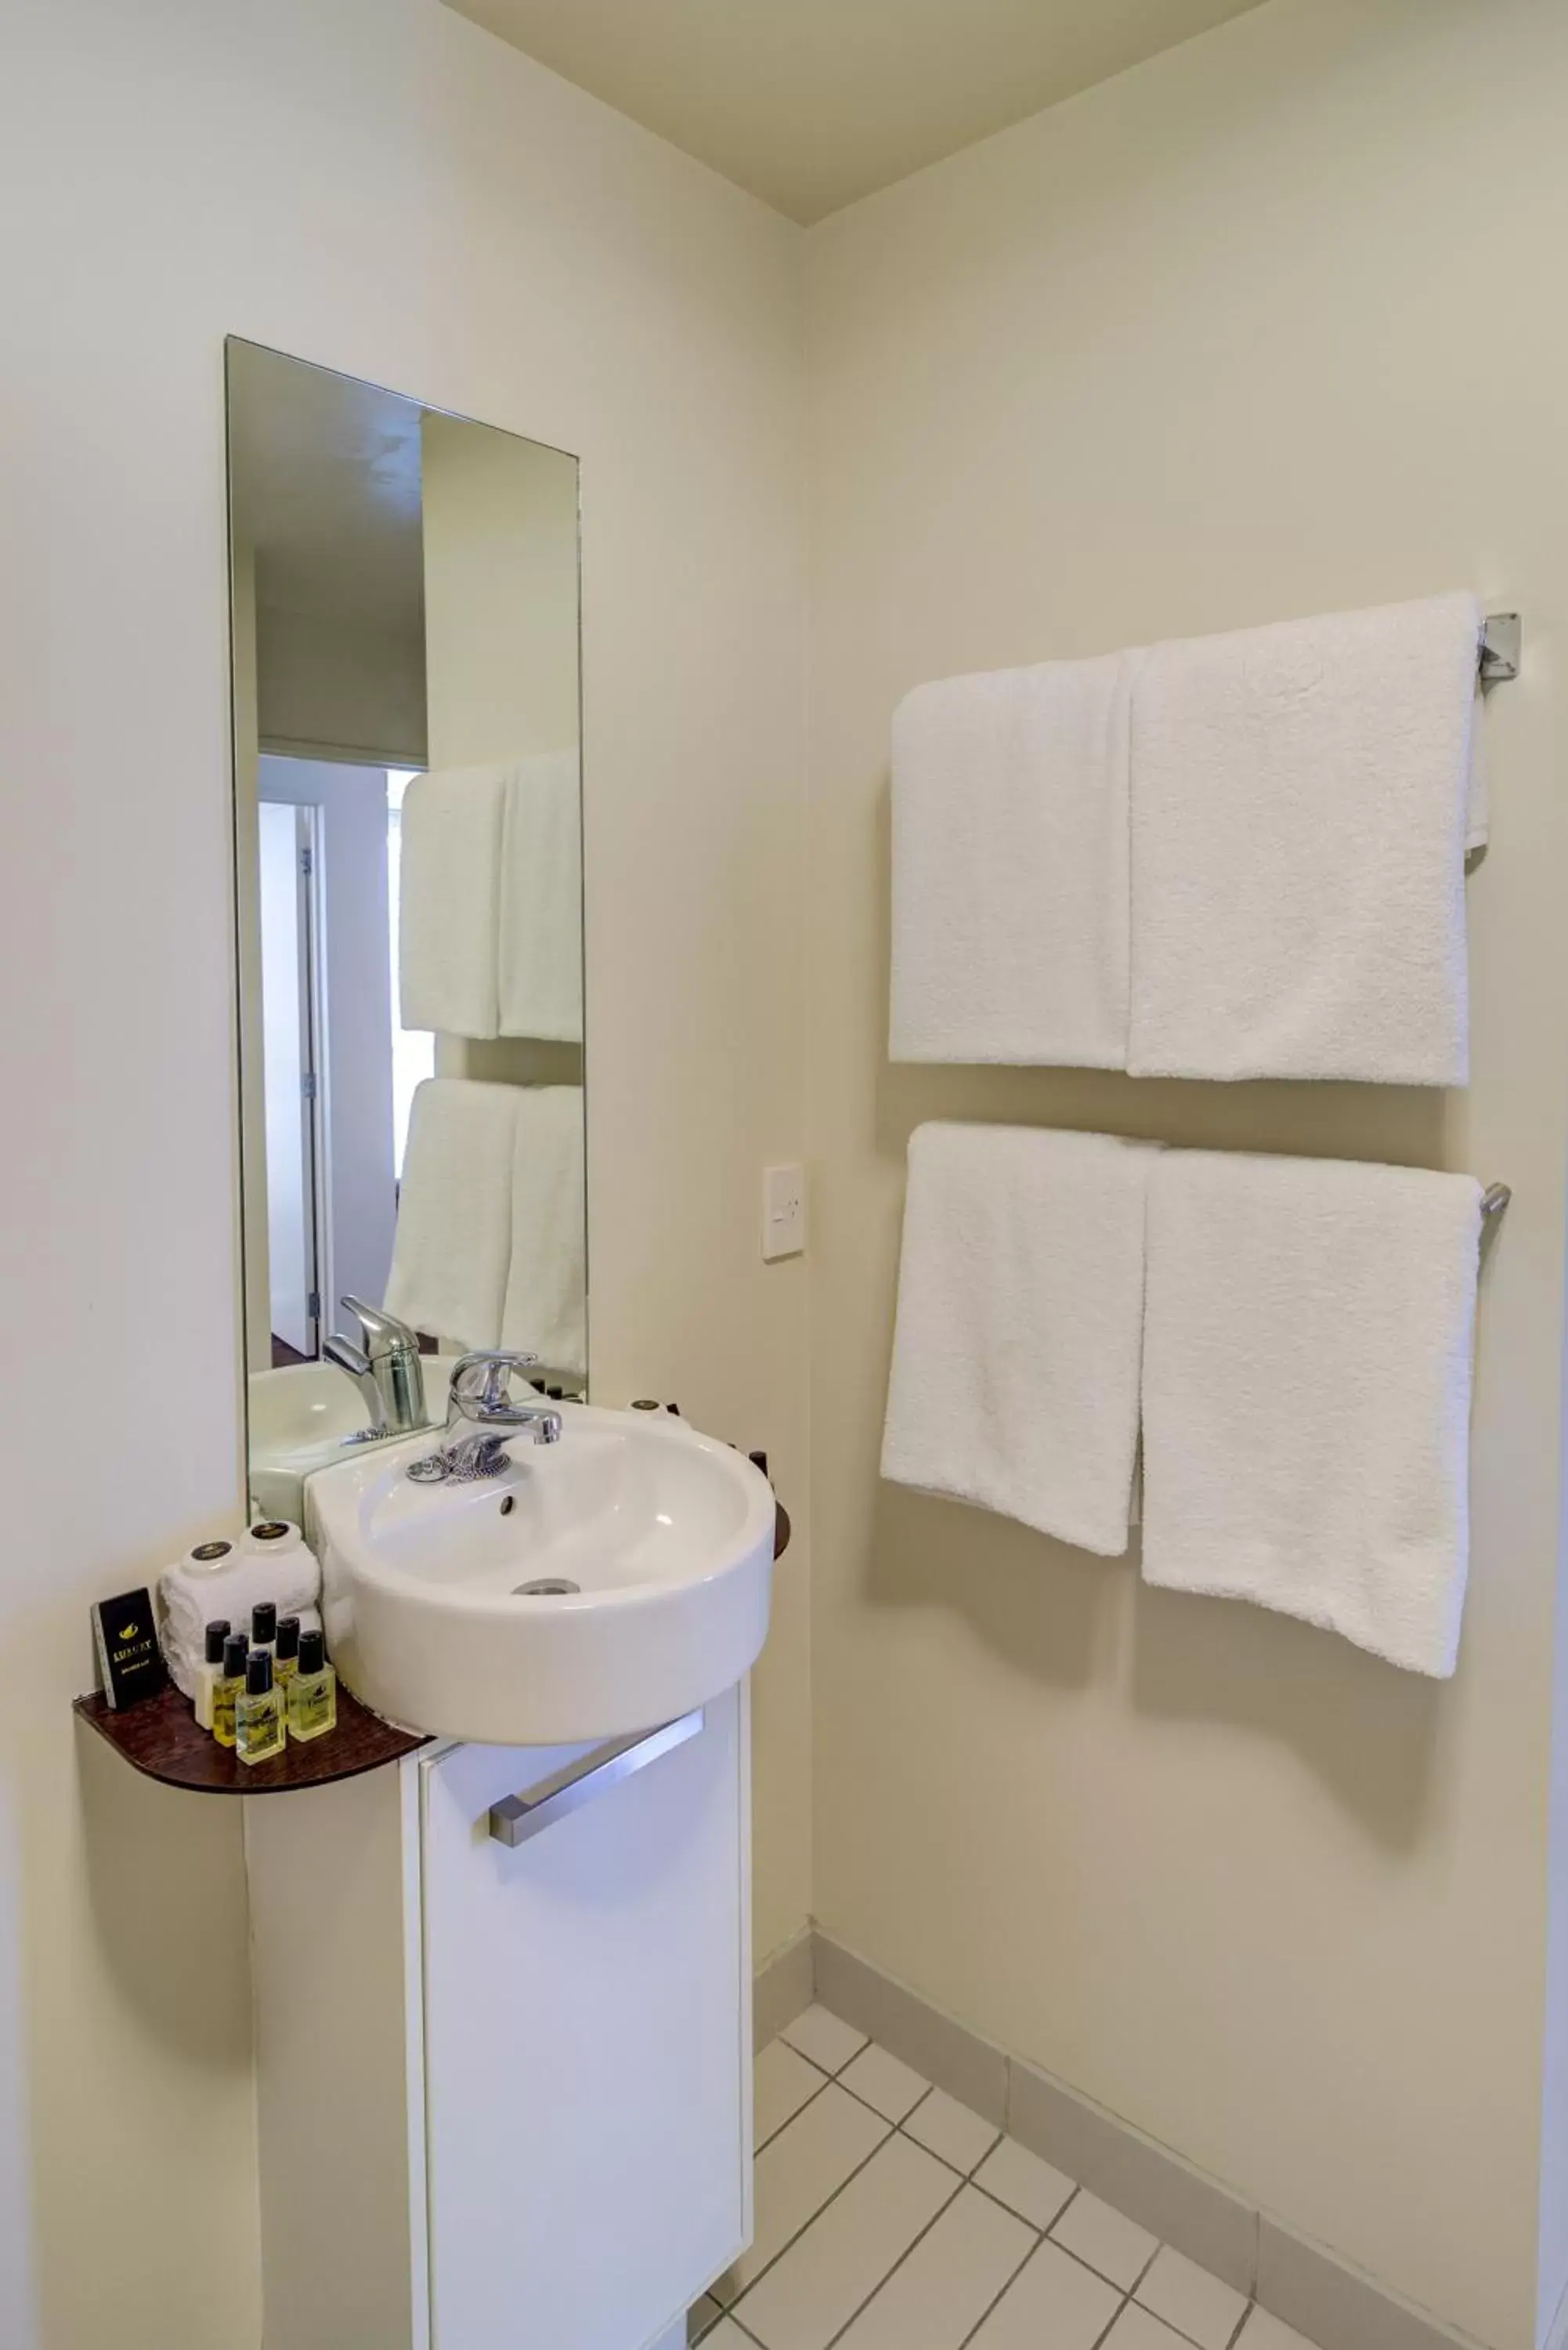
(505, 2088)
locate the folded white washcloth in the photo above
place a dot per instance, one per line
(1306, 1393)
(1009, 865)
(449, 901)
(541, 915)
(1303, 796)
(190, 1596)
(544, 1312)
(452, 1246)
(1015, 1364)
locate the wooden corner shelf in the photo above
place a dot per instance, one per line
(161, 1738)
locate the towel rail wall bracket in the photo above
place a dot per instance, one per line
(1501, 643)
(1494, 1200)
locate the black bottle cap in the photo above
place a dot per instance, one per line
(234, 1652)
(217, 1633)
(258, 1673)
(287, 1637)
(269, 1530)
(646, 1403)
(264, 1623)
(312, 1652)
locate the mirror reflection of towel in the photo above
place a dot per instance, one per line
(449, 901)
(546, 1304)
(454, 1242)
(491, 1248)
(540, 921)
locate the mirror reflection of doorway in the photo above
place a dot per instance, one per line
(329, 828)
(288, 837)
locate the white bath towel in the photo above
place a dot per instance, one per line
(190, 1596)
(449, 901)
(1300, 808)
(1015, 1364)
(541, 916)
(452, 1246)
(544, 1312)
(1306, 1393)
(1009, 865)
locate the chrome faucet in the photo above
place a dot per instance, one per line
(480, 1395)
(389, 1364)
(356, 1364)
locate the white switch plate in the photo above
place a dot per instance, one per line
(783, 1211)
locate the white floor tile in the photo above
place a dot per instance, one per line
(952, 2131)
(700, 2316)
(1195, 2302)
(893, 2088)
(1134, 2329)
(1053, 2303)
(808, 2161)
(935, 2297)
(726, 2337)
(813, 2291)
(782, 2083)
(1025, 2184)
(1110, 2242)
(1262, 2331)
(822, 2037)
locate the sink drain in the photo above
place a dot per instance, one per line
(545, 1586)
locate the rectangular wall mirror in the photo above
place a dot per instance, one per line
(408, 831)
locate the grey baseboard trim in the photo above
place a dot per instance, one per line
(1297, 2282)
(784, 1986)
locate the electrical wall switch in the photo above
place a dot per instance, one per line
(783, 1211)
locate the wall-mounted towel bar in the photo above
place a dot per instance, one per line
(1494, 1200)
(1502, 639)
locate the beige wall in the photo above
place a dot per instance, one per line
(454, 223)
(1267, 326)
(500, 534)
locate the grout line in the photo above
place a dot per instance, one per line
(1007, 2285)
(945, 2205)
(731, 2307)
(825, 2083)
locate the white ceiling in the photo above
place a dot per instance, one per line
(812, 103)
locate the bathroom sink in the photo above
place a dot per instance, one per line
(662, 1539)
(303, 1416)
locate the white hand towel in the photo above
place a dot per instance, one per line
(1301, 808)
(449, 901)
(1009, 865)
(452, 1245)
(1306, 1393)
(540, 917)
(545, 1311)
(1015, 1365)
(190, 1596)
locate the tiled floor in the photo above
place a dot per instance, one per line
(890, 2217)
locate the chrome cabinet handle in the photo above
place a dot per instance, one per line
(515, 1819)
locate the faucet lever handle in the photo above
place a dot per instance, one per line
(384, 1334)
(485, 1378)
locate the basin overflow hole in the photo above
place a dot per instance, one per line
(544, 1587)
(508, 1505)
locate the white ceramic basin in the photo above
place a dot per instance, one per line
(668, 1535)
(302, 1416)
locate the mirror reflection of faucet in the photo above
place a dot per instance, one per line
(387, 1370)
(479, 1394)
